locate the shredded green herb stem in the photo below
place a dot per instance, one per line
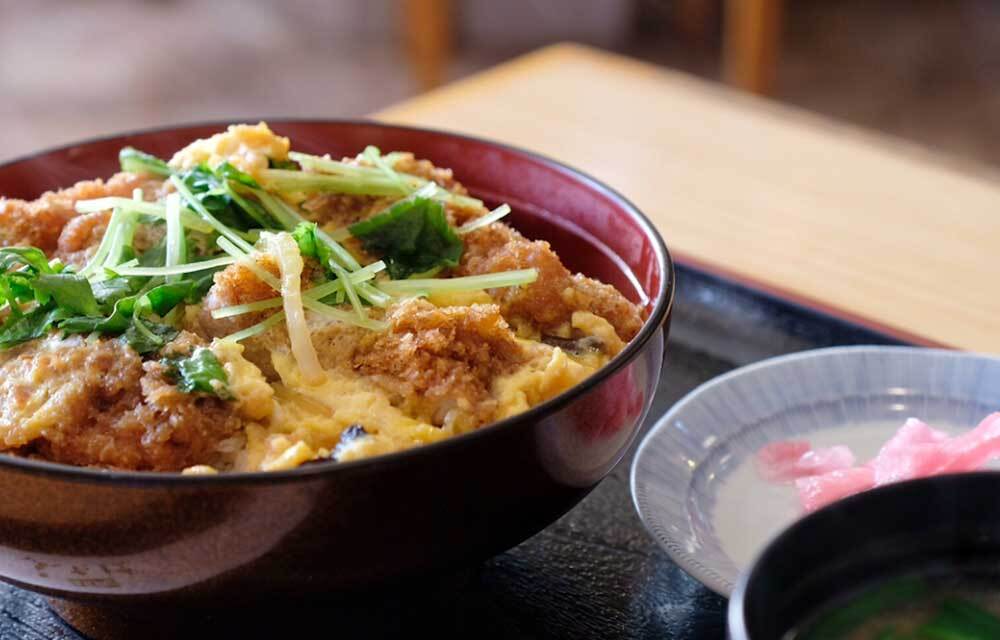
(331, 172)
(256, 329)
(173, 270)
(288, 218)
(188, 217)
(499, 280)
(482, 221)
(309, 303)
(104, 247)
(176, 245)
(214, 217)
(196, 204)
(318, 292)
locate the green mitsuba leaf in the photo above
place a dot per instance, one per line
(119, 320)
(155, 256)
(305, 237)
(129, 317)
(227, 171)
(199, 372)
(71, 292)
(208, 189)
(201, 282)
(135, 161)
(57, 295)
(213, 190)
(29, 326)
(30, 257)
(413, 236)
(165, 297)
(107, 292)
(43, 297)
(289, 165)
(146, 337)
(310, 245)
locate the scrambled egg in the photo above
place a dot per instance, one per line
(39, 388)
(297, 422)
(549, 373)
(253, 395)
(246, 147)
(347, 417)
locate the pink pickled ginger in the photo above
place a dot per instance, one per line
(822, 476)
(819, 491)
(791, 459)
(912, 453)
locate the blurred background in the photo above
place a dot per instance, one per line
(926, 70)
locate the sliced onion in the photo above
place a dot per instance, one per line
(284, 248)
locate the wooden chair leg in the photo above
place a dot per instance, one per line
(751, 40)
(696, 19)
(427, 28)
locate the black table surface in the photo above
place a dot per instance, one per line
(593, 574)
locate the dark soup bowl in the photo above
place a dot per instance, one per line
(918, 559)
(122, 537)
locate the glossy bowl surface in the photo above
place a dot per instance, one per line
(123, 537)
(945, 527)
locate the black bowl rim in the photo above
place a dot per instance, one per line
(663, 301)
(736, 614)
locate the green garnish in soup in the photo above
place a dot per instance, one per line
(911, 608)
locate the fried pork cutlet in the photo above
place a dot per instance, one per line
(435, 359)
(97, 403)
(39, 223)
(549, 302)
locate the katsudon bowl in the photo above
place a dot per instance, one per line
(119, 538)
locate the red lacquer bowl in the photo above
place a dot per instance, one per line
(115, 537)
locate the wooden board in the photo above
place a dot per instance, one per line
(867, 226)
